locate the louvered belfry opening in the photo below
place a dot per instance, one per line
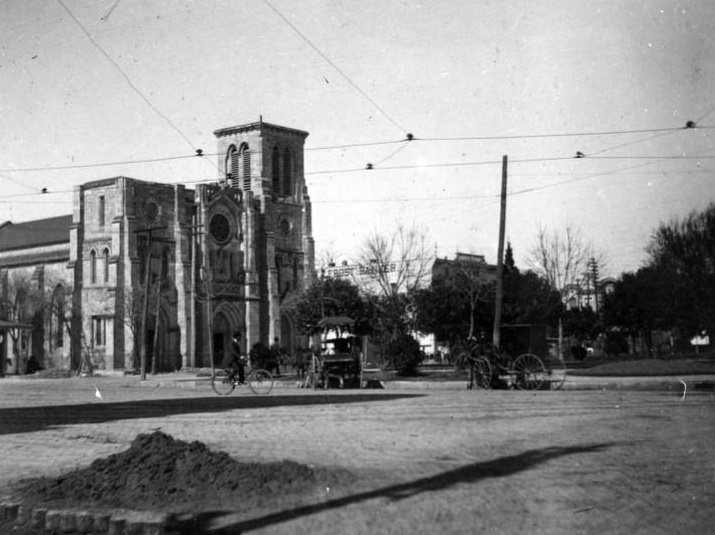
(245, 156)
(287, 173)
(276, 171)
(232, 166)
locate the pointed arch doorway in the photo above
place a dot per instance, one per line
(227, 321)
(221, 337)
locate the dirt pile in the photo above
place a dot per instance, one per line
(158, 471)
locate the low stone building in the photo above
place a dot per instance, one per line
(163, 268)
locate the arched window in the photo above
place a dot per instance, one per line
(105, 266)
(165, 264)
(245, 157)
(276, 171)
(93, 267)
(278, 272)
(287, 173)
(295, 273)
(20, 306)
(231, 166)
(58, 317)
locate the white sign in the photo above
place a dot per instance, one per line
(700, 341)
(358, 270)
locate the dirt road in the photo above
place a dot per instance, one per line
(424, 461)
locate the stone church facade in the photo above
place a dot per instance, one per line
(162, 268)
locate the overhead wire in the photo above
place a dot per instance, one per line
(694, 156)
(125, 76)
(404, 142)
(334, 66)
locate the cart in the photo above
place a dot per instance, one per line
(524, 361)
(337, 363)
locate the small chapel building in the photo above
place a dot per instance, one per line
(162, 268)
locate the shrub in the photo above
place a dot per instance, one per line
(405, 354)
(260, 356)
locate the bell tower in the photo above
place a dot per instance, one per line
(264, 162)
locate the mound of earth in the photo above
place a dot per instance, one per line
(160, 472)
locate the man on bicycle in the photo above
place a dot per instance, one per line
(235, 360)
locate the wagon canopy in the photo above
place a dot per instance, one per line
(336, 321)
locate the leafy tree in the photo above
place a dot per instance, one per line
(683, 255)
(443, 311)
(452, 310)
(675, 291)
(582, 323)
(331, 297)
(528, 297)
(405, 353)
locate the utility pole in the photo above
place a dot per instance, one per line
(496, 333)
(154, 353)
(145, 310)
(594, 279)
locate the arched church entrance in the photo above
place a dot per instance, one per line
(287, 337)
(227, 322)
(162, 341)
(221, 338)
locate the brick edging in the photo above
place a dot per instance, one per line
(80, 521)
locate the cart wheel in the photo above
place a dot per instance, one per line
(223, 383)
(462, 359)
(260, 382)
(482, 372)
(528, 372)
(555, 372)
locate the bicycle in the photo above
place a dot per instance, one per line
(225, 381)
(525, 372)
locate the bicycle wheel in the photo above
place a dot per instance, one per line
(260, 382)
(482, 372)
(528, 372)
(556, 372)
(223, 382)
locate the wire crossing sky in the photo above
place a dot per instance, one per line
(605, 111)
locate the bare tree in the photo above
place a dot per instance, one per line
(59, 308)
(395, 262)
(471, 281)
(563, 257)
(19, 301)
(132, 319)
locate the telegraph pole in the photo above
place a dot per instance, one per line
(496, 333)
(145, 311)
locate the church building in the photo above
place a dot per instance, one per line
(160, 268)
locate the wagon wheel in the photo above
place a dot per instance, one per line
(482, 372)
(556, 372)
(528, 372)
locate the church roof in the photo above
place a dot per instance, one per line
(260, 125)
(49, 231)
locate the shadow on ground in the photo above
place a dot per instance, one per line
(31, 419)
(220, 522)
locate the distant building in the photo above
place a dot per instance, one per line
(585, 294)
(242, 247)
(473, 266)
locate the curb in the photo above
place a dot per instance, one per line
(78, 521)
(607, 383)
(573, 382)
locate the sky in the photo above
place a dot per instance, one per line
(90, 88)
